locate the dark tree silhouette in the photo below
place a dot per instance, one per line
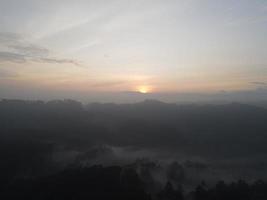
(169, 193)
(96, 182)
(239, 190)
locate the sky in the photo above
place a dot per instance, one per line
(57, 48)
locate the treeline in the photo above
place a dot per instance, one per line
(191, 129)
(118, 183)
(239, 190)
(96, 182)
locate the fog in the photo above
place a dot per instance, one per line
(222, 141)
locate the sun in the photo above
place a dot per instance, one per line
(143, 89)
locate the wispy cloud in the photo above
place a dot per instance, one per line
(9, 38)
(59, 61)
(109, 83)
(30, 50)
(258, 83)
(4, 73)
(17, 50)
(11, 57)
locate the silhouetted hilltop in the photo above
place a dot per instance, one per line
(227, 129)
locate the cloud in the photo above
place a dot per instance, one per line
(30, 50)
(7, 74)
(9, 38)
(11, 57)
(17, 50)
(59, 61)
(108, 83)
(258, 83)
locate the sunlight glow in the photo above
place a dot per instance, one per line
(143, 89)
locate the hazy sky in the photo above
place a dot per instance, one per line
(129, 45)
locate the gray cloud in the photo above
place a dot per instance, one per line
(17, 50)
(59, 61)
(9, 38)
(258, 83)
(30, 50)
(7, 74)
(11, 57)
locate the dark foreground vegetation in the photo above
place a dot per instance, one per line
(150, 150)
(85, 183)
(119, 183)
